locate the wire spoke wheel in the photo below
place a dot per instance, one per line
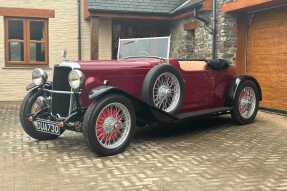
(33, 103)
(113, 125)
(38, 105)
(166, 92)
(247, 102)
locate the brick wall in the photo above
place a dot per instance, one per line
(105, 39)
(62, 35)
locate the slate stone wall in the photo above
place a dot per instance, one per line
(197, 44)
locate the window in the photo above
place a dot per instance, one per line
(26, 41)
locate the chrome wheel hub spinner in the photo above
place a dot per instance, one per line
(109, 124)
(247, 102)
(166, 92)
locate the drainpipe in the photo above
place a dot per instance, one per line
(79, 31)
(214, 27)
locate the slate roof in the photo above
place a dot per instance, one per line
(142, 6)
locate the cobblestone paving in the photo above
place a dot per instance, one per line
(211, 154)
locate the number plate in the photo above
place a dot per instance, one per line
(49, 127)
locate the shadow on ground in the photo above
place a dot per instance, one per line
(75, 142)
(187, 127)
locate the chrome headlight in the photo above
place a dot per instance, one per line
(39, 76)
(76, 79)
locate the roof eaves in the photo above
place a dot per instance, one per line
(129, 12)
(180, 7)
(185, 6)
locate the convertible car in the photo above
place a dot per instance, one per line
(106, 100)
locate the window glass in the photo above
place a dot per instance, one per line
(144, 47)
(15, 29)
(37, 52)
(37, 30)
(26, 41)
(16, 51)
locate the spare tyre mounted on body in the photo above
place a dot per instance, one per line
(106, 100)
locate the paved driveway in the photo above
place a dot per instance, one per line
(209, 154)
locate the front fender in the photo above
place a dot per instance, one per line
(32, 86)
(144, 111)
(233, 87)
(101, 91)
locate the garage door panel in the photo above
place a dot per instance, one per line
(270, 45)
(267, 56)
(274, 100)
(264, 68)
(272, 67)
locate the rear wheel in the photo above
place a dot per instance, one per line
(109, 125)
(246, 103)
(34, 102)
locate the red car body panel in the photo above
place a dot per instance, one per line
(203, 89)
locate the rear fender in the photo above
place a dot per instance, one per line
(233, 87)
(145, 113)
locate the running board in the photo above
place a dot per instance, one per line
(220, 110)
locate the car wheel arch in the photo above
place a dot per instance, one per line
(144, 112)
(233, 88)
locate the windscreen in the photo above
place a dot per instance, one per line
(144, 47)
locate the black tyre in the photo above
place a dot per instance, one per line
(33, 103)
(164, 88)
(246, 103)
(109, 125)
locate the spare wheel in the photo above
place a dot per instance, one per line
(163, 88)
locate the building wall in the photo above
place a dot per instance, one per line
(86, 36)
(182, 41)
(227, 34)
(197, 44)
(63, 31)
(105, 39)
(190, 44)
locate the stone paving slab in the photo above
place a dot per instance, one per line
(211, 154)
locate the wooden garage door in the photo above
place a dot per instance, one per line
(267, 55)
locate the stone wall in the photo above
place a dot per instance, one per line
(227, 34)
(182, 42)
(197, 44)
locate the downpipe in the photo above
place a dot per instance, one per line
(214, 27)
(79, 30)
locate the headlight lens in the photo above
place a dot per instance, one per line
(39, 76)
(76, 79)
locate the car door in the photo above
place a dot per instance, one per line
(220, 80)
(199, 88)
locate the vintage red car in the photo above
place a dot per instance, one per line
(106, 100)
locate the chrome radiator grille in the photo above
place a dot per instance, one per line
(61, 102)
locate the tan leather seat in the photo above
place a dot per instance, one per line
(192, 65)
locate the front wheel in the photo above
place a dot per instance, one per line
(246, 103)
(109, 125)
(34, 102)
